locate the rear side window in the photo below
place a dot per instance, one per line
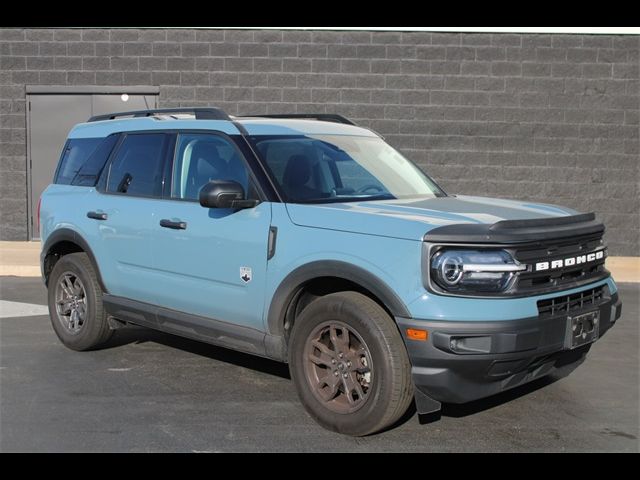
(75, 154)
(136, 168)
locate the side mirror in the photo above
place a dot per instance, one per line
(224, 194)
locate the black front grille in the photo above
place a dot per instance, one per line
(566, 304)
(531, 282)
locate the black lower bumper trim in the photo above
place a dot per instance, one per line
(465, 361)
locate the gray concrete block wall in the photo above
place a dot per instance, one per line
(551, 118)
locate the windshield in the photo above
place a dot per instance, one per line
(338, 168)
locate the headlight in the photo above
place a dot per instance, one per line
(468, 271)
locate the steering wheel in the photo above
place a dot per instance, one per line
(370, 187)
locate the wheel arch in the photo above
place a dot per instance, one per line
(62, 242)
(294, 283)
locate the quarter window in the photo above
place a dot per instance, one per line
(89, 173)
(137, 167)
(74, 157)
(201, 158)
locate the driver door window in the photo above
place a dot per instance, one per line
(201, 158)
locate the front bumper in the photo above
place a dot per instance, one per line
(500, 355)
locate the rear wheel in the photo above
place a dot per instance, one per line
(75, 303)
(349, 364)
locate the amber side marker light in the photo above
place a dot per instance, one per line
(420, 335)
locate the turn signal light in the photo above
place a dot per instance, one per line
(420, 335)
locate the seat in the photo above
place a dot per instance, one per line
(297, 174)
(206, 164)
(237, 171)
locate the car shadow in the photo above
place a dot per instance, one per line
(136, 335)
(477, 406)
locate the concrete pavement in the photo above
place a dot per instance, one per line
(151, 392)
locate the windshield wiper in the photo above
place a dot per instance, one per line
(347, 199)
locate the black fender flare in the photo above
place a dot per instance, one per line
(290, 286)
(69, 235)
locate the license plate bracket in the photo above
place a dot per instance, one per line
(582, 329)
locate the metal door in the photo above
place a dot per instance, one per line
(50, 117)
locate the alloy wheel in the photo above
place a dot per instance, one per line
(71, 302)
(338, 367)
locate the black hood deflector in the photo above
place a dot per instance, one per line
(517, 231)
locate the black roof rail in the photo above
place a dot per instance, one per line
(200, 113)
(324, 117)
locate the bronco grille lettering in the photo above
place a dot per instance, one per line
(570, 261)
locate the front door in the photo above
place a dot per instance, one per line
(210, 262)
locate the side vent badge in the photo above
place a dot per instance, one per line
(245, 274)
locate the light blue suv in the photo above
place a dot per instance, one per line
(309, 240)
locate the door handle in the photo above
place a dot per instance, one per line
(174, 225)
(97, 215)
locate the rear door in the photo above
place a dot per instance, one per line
(123, 212)
(210, 262)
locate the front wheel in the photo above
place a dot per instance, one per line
(349, 364)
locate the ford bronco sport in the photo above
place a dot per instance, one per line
(309, 240)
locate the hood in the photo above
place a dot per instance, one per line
(411, 219)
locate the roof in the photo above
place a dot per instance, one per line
(107, 127)
(289, 126)
(252, 125)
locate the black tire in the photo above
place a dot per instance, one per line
(391, 390)
(94, 331)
